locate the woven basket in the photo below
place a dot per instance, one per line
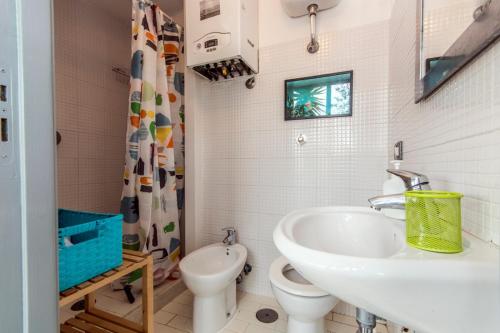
(93, 245)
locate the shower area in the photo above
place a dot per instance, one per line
(120, 128)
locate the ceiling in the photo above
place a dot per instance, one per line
(121, 9)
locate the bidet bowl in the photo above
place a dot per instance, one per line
(210, 273)
(212, 268)
(361, 256)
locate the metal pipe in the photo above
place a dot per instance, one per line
(366, 321)
(313, 46)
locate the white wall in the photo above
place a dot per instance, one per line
(249, 172)
(91, 104)
(277, 27)
(453, 136)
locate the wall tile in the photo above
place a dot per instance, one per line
(453, 136)
(253, 170)
(91, 105)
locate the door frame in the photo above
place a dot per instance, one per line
(30, 211)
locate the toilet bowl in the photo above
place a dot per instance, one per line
(210, 273)
(305, 304)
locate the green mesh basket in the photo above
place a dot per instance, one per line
(434, 221)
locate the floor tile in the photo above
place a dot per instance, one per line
(237, 326)
(176, 317)
(269, 301)
(185, 298)
(248, 304)
(250, 318)
(159, 328)
(348, 320)
(120, 296)
(281, 326)
(163, 317)
(182, 323)
(179, 309)
(335, 327)
(135, 315)
(258, 329)
(251, 297)
(114, 306)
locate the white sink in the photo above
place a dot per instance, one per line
(361, 256)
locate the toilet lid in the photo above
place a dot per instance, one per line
(286, 278)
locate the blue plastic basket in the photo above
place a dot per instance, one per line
(96, 245)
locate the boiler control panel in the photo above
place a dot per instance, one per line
(212, 42)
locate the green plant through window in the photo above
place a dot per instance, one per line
(322, 96)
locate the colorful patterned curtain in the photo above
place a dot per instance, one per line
(149, 199)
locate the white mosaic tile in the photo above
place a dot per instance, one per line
(453, 136)
(91, 105)
(254, 172)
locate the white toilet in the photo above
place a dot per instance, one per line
(210, 273)
(305, 304)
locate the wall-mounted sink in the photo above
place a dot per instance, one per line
(361, 256)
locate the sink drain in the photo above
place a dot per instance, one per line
(267, 316)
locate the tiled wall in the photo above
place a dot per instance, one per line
(453, 137)
(252, 170)
(91, 105)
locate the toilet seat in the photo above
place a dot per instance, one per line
(279, 280)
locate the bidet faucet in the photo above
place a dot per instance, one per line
(413, 182)
(231, 236)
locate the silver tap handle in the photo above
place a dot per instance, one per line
(412, 180)
(231, 232)
(231, 236)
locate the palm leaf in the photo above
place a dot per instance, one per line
(306, 102)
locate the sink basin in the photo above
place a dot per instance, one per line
(359, 233)
(361, 256)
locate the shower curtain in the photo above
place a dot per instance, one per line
(150, 203)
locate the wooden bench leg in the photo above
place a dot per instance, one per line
(147, 297)
(89, 302)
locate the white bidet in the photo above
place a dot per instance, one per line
(210, 273)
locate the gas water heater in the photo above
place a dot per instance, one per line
(222, 38)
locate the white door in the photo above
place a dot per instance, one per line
(28, 274)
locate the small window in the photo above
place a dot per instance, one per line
(320, 96)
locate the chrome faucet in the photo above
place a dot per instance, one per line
(413, 182)
(231, 236)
